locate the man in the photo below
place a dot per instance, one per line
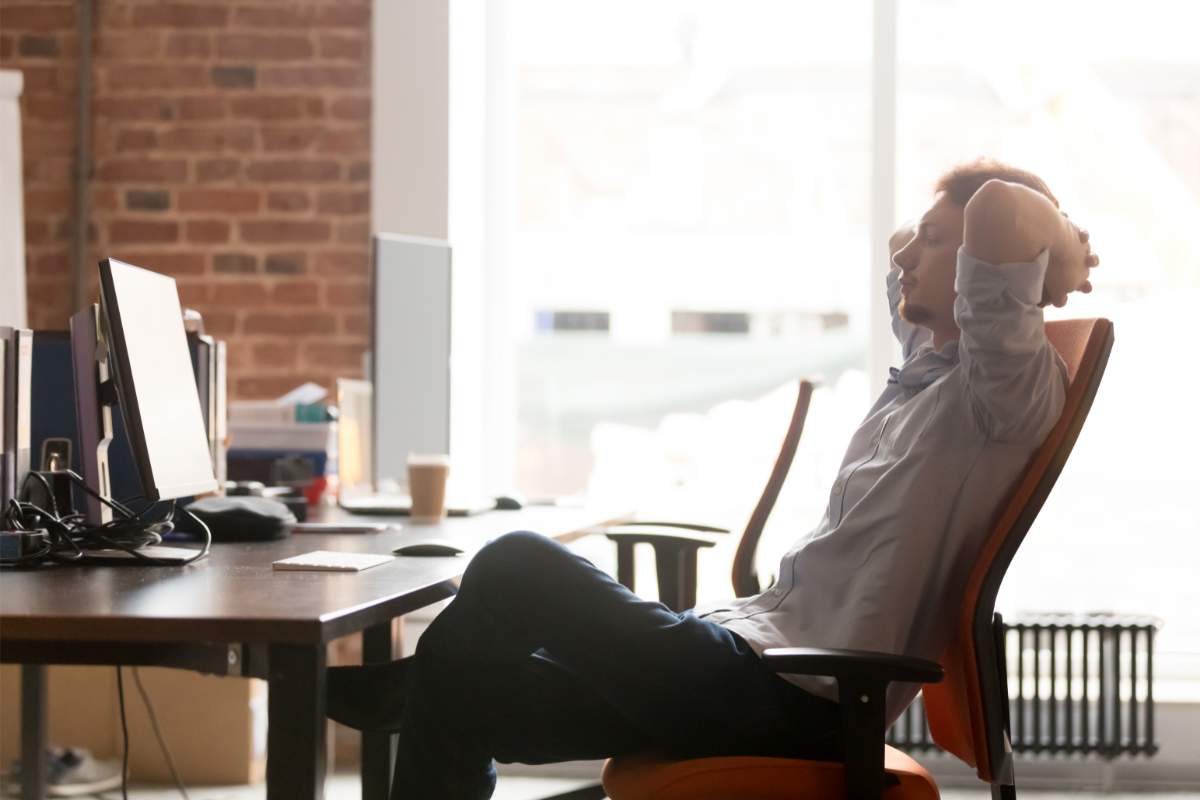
(542, 657)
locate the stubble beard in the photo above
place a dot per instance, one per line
(914, 314)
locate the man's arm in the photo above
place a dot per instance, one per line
(1010, 223)
(1019, 253)
(910, 336)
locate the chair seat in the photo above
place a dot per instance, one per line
(648, 777)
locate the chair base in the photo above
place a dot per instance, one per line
(646, 777)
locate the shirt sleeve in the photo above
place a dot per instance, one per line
(1015, 378)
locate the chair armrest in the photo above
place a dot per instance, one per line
(851, 664)
(862, 679)
(687, 526)
(648, 534)
(674, 559)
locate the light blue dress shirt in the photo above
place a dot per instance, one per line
(920, 484)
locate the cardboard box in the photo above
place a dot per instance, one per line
(214, 727)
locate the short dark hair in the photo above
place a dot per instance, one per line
(963, 181)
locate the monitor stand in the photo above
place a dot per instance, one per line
(94, 399)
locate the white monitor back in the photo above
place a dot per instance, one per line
(153, 371)
(410, 364)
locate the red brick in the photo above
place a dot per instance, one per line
(353, 232)
(255, 387)
(356, 48)
(290, 138)
(359, 172)
(133, 231)
(343, 202)
(314, 77)
(351, 107)
(193, 293)
(357, 324)
(345, 140)
(142, 45)
(343, 263)
(288, 323)
(273, 17)
(208, 231)
(220, 323)
(277, 355)
(49, 141)
(207, 140)
(104, 199)
(286, 264)
(347, 294)
(141, 169)
(242, 294)
(302, 293)
(170, 263)
(40, 202)
(57, 262)
(136, 139)
(181, 15)
(202, 108)
(128, 109)
(44, 16)
(235, 263)
(6, 47)
(262, 47)
(260, 106)
(49, 79)
(315, 107)
(288, 201)
(227, 201)
(284, 230)
(39, 47)
(217, 169)
(344, 16)
(333, 354)
(188, 45)
(293, 170)
(36, 231)
(125, 77)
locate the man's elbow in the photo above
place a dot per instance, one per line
(994, 224)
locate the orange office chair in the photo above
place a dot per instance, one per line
(967, 710)
(676, 544)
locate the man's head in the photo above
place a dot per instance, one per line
(928, 261)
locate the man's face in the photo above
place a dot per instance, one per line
(927, 266)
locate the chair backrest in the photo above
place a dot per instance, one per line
(968, 710)
(745, 578)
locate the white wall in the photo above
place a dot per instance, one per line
(410, 117)
(12, 214)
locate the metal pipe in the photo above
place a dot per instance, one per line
(83, 159)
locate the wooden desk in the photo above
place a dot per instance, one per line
(232, 614)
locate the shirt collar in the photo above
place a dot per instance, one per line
(926, 365)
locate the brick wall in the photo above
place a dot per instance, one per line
(231, 147)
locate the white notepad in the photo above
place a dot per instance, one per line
(332, 561)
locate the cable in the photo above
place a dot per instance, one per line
(124, 738)
(71, 535)
(162, 743)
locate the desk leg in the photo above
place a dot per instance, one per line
(378, 749)
(296, 752)
(33, 732)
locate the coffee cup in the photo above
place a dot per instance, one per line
(427, 476)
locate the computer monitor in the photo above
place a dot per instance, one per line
(410, 353)
(131, 351)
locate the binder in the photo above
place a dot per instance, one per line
(18, 380)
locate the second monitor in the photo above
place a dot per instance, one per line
(410, 353)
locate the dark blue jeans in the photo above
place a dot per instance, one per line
(543, 657)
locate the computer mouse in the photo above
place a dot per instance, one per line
(508, 502)
(428, 547)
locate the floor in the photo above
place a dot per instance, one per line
(346, 787)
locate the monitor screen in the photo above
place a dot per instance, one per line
(410, 361)
(157, 389)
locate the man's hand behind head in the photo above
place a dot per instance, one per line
(1071, 262)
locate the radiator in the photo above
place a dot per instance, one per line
(1077, 684)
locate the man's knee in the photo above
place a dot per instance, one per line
(515, 553)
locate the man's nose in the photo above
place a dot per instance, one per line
(904, 258)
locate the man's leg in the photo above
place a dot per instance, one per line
(651, 678)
